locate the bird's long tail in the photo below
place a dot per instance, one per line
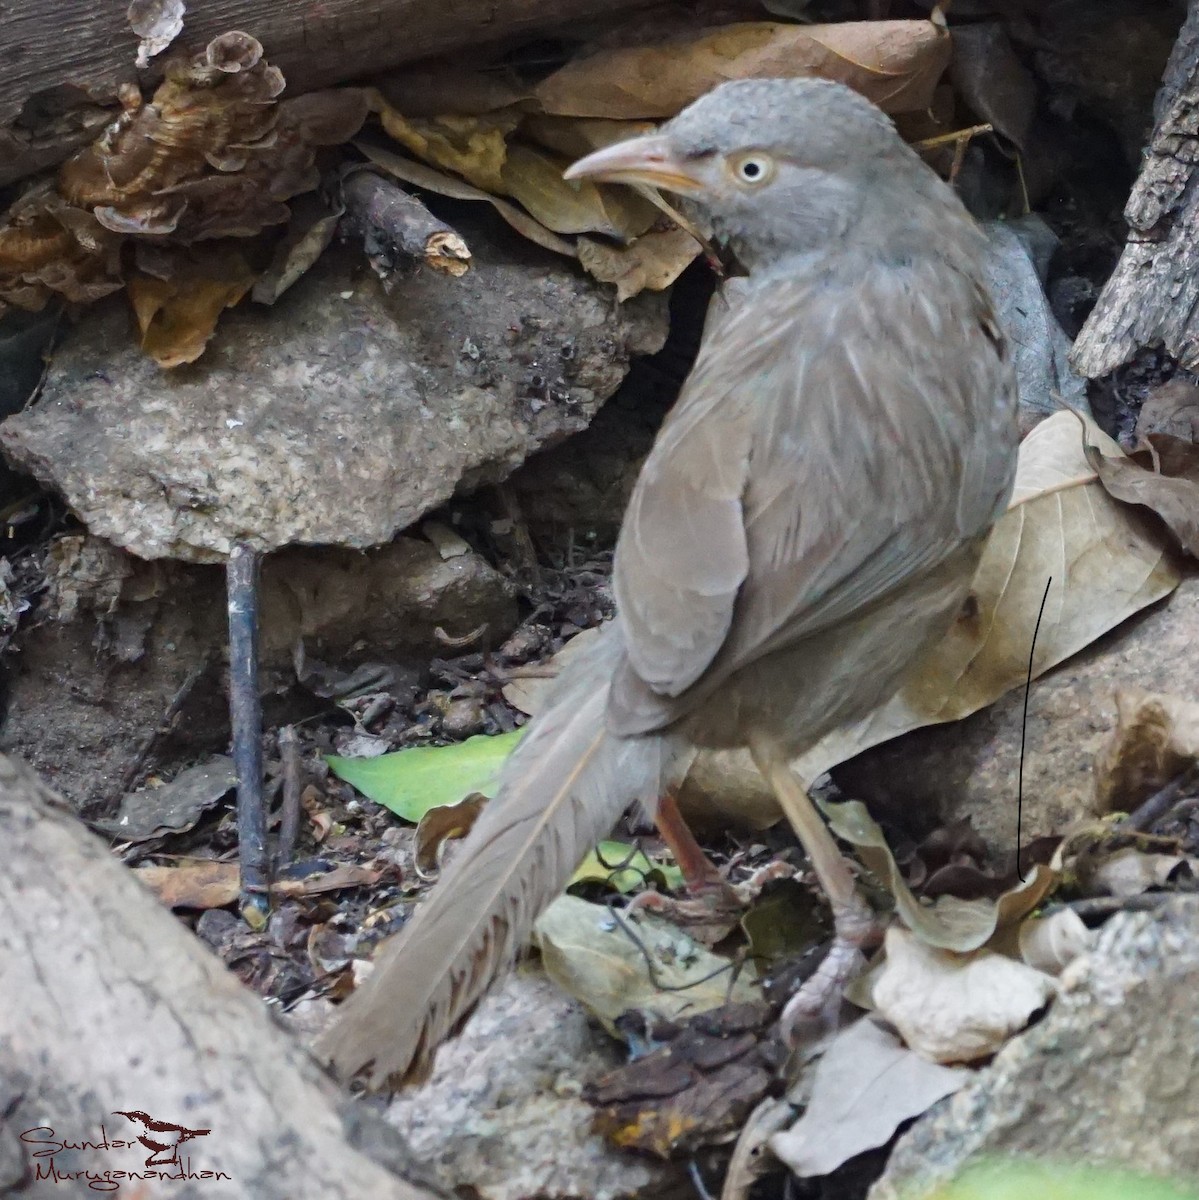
(561, 791)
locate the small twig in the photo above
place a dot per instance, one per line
(651, 967)
(245, 715)
(395, 225)
(458, 643)
(1103, 906)
(293, 783)
(697, 1181)
(527, 671)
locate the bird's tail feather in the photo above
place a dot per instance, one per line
(562, 790)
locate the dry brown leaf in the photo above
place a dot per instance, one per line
(441, 824)
(654, 261)
(992, 80)
(1172, 408)
(865, 1086)
(951, 1007)
(949, 923)
(1162, 474)
(193, 884)
(586, 953)
(422, 176)
(894, 63)
(575, 137)
(696, 1086)
(344, 875)
(312, 229)
(177, 316)
(534, 177)
(1156, 738)
(1106, 562)
(474, 147)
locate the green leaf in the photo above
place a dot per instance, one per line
(411, 782)
(1014, 1180)
(626, 869)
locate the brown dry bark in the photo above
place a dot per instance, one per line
(56, 55)
(1152, 297)
(109, 1006)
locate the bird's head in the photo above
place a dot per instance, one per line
(777, 165)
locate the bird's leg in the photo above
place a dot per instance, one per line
(854, 926)
(712, 906)
(699, 871)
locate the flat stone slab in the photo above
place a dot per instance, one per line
(339, 415)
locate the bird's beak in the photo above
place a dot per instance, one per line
(648, 159)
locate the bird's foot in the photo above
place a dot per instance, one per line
(855, 929)
(712, 907)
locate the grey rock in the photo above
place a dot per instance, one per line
(970, 768)
(1016, 269)
(392, 600)
(1110, 1076)
(501, 1117)
(122, 642)
(337, 417)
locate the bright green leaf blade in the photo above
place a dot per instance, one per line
(411, 782)
(1014, 1180)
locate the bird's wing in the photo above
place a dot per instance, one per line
(833, 439)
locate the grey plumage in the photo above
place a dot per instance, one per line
(807, 523)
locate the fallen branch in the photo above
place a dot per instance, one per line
(395, 226)
(52, 47)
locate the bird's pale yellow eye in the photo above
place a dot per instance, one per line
(751, 169)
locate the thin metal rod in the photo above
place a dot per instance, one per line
(245, 717)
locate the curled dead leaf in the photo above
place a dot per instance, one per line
(654, 261)
(441, 824)
(1163, 475)
(1131, 872)
(534, 178)
(1052, 943)
(949, 923)
(894, 63)
(952, 1007)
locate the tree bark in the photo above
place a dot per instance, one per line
(113, 1018)
(57, 54)
(1152, 297)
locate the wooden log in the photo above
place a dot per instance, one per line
(57, 54)
(117, 1025)
(1152, 297)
